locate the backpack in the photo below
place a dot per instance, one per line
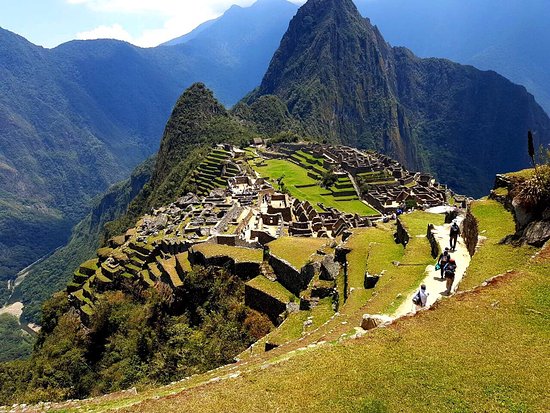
(416, 299)
(450, 271)
(454, 228)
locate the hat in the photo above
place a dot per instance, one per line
(423, 286)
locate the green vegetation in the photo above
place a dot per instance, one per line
(273, 288)
(293, 327)
(348, 99)
(390, 369)
(297, 251)
(141, 337)
(374, 250)
(305, 188)
(15, 343)
(52, 274)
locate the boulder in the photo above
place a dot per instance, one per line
(537, 233)
(522, 215)
(373, 321)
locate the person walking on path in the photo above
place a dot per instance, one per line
(421, 298)
(450, 269)
(443, 260)
(455, 232)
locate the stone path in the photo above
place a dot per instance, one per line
(435, 286)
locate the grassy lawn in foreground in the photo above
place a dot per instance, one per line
(295, 177)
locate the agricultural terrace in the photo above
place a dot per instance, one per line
(305, 188)
(296, 251)
(237, 253)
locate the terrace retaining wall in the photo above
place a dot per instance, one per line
(402, 235)
(292, 279)
(470, 232)
(435, 248)
(264, 303)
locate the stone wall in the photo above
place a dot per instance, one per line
(292, 279)
(264, 303)
(436, 250)
(263, 237)
(470, 232)
(402, 235)
(244, 270)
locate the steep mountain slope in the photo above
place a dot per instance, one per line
(73, 120)
(51, 275)
(430, 114)
(510, 37)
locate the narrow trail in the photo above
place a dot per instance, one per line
(435, 286)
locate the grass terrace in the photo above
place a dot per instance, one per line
(239, 254)
(273, 288)
(293, 327)
(305, 188)
(375, 250)
(297, 251)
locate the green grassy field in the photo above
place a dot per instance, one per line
(295, 176)
(494, 223)
(482, 351)
(297, 251)
(273, 288)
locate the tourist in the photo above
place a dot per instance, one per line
(442, 261)
(421, 298)
(455, 232)
(450, 269)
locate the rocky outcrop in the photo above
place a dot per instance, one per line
(370, 321)
(537, 233)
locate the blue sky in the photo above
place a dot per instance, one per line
(145, 23)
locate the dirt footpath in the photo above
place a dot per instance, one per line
(435, 286)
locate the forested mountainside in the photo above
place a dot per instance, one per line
(460, 123)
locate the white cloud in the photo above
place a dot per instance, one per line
(116, 31)
(179, 16)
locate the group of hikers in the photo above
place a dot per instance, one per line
(445, 264)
